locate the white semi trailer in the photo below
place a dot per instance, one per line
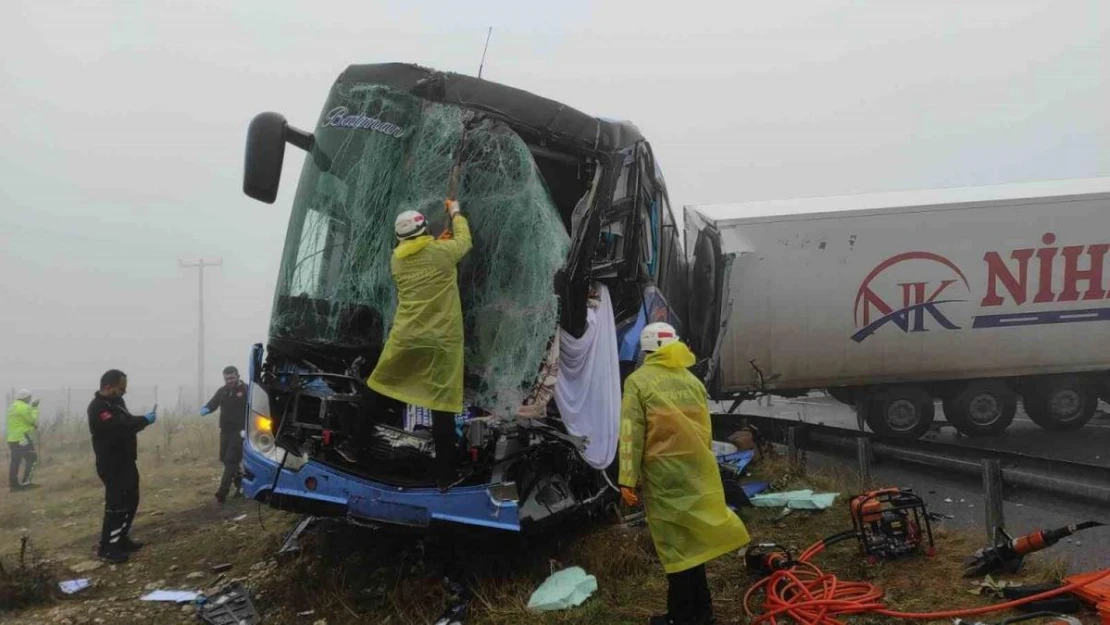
(977, 297)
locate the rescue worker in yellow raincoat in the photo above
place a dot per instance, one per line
(665, 452)
(23, 418)
(422, 361)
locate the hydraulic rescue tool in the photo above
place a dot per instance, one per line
(1008, 553)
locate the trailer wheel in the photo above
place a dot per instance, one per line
(900, 411)
(983, 408)
(1061, 402)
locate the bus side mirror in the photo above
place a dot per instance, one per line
(266, 138)
(264, 157)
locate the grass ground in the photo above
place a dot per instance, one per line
(354, 575)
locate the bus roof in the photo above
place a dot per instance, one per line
(526, 113)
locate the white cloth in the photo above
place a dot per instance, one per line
(589, 389)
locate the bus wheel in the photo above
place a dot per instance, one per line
(901, 412)
(1061, 402)
(982, 408)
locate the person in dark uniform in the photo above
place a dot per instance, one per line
(115, 444)
(231, 401)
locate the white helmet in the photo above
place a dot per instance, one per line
(657, 335)
(410, 224)
(23, 395)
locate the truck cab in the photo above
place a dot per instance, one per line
(561, 204)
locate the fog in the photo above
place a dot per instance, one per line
(122, 127)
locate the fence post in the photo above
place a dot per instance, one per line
(863, 455)
(992, 496)
(792, 445)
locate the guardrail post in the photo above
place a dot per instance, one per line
(792, 445)
(992, 496)
(863, 455)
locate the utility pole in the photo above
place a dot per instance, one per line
(200, 265)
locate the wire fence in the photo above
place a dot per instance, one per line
(67, 403)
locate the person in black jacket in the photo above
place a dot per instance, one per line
(231, 401)
(115, 444)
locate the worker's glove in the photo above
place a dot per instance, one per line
(35, 404)
(24, 442)
(151, 417)
(452, 207)
(629, 496)
(205, 411)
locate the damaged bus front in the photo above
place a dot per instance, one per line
(569, 217)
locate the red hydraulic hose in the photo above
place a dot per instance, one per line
(809, 596)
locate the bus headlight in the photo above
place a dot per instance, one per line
(260, 431)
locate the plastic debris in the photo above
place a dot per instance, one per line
(173, 596)
(722, 449)
(736, 461)
(754, 488)
(948, 500)
(565, 589)
(795, 500)
(241, 517)
(72, 586)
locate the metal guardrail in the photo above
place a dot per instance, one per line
(1058, 477)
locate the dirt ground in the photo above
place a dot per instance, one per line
(347, 575)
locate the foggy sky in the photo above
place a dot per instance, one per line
(122, 127)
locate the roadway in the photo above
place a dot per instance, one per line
(1089, 445)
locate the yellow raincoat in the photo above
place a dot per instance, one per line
(665, 450)
(422, 361)
(22, 420)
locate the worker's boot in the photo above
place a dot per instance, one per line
(129, 545)
(111, 534)
(111, 554)
(126, 543)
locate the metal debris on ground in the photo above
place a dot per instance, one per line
(293, 538)
(634, 519)
(231, 606)
(220, 568)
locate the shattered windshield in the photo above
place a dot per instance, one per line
(380, 152)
